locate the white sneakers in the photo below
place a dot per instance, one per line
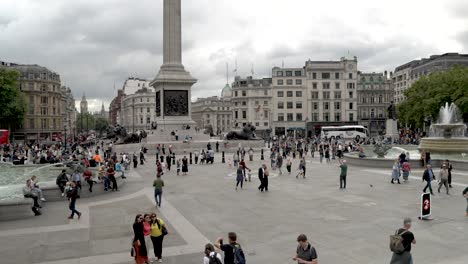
(63, 194)
(43, 199)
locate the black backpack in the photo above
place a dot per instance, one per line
(214, 259)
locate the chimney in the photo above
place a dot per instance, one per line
(391, 75)
(385, 74)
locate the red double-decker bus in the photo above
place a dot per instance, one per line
(3, 136)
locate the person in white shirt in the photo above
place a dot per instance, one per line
(210, 253)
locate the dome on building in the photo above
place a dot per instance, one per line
(227, 91)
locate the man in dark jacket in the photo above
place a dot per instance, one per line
(261, 177)
(428, 176)
(61, 181)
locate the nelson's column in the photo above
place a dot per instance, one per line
(173, 83)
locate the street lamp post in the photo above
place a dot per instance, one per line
(65, 129)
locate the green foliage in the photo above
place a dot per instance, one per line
(12, 102)
(425, 97)
(101, 124)
(85, 122)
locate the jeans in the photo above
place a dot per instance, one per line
(158, 196)
(241, 183)
(114, 183)
(72, 208)
(34, 197)
(343, 182)
(428, 185)
(106, 183)
(157, 245)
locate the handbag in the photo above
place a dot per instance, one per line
(133, 250)
(163, 229)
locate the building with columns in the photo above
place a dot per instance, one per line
(374, 93)
(213, 111)
(138, 110)
(252, 103)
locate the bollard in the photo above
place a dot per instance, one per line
(173, 159)
(217, 146)
(222, 159)
(261, 156)
(190, 158)
(162, 158)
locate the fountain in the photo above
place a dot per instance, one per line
(448, 135)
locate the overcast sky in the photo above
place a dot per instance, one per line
(94, 43)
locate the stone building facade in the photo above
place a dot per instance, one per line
(405, 75)
(44, 118)
(115, 109)
(289, 101)
(215, 112)
(69, 112)
(252, 103)
(374, 93)
(138, 110)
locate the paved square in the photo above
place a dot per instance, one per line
(345, 226)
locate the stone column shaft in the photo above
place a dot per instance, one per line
(172, 33)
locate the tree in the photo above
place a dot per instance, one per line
(425, 97)
(85, 122)
(12, 103)
(101, 125)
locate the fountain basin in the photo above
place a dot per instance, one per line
(444, 145)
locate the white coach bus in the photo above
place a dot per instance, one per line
(345, 132)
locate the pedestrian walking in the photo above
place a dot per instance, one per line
(266, 174)
(139, 244)
(465, 194)
(233, 253)
(428, 176)
(396, 172)
(305, 252)
(240, 176)
(343, 173)
(443, 178)
(147, 231)
(449, 168)
(73, 195)
(179, 165)
(406, 238)
(261, 177)
(88, 177)
(288, 165)
(406, 169)
(135, 160)
(279, 163)
(158, 185)
(158, 231)
(235, 158)
(244, 168)
(184, 166)
(111, 176)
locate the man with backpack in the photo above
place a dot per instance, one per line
(233, 253)
(211, 256)
(305, 252)
(400, 244)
